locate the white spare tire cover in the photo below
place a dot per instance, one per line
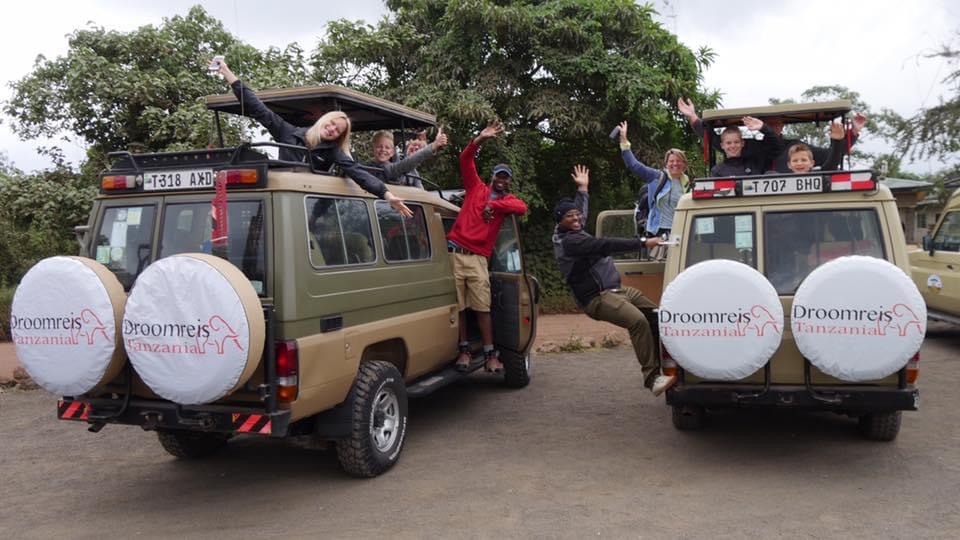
(65, 324)
(721, 320)
(858, 318)
(193, 328)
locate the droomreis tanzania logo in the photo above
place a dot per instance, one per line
(734, 323)
(899, 319)
(181, 338)
(59, 330)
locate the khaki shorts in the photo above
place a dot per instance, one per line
(473, 281)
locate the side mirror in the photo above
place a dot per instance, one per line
(927, 244)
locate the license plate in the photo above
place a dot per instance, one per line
(782, 186)
(179, 179)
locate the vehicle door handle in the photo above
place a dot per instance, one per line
(950, 267)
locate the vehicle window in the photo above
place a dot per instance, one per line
(506, 252)
(124, 241)
(730, 237)
(798, 242)
(188, 227)
(339, 232)
(404, 239)
(948, 235)
(619, 226)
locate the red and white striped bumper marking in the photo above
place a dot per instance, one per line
(857, 181)
(252, 423)
(73, 410)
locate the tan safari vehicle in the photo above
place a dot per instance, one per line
(248, 295)
(784, 291)
(936, 269)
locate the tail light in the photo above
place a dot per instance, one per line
(667, 364)
(287, 370)
(913, 369)
(238, 176)
(121, 181)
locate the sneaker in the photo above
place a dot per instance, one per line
(662, 383)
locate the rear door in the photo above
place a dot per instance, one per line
(513, 292)
(636, 269)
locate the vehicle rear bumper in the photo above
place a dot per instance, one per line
(836, 398)
(153, 415)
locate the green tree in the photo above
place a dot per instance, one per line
(558, 73)
(933, 132)
(140, 90)
(817, 134)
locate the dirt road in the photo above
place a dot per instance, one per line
(580, 453)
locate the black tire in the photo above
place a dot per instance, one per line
(881, 426)
(688, 417)
(378, 421)
(516, 368)
(191, 444)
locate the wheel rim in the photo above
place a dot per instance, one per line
(385, 419)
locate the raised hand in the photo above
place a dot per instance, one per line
(493, 129)
(440, 141)
(227, 74)
(836, 130)
(397, 204)
(581, 175)
(623, 132)
(859, 120)
(687, 109)
(753, 124)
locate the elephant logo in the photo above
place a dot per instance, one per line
(220, 333)
(903, 319)
(90, 326)
(761, 319)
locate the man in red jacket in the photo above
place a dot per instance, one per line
(471, 241)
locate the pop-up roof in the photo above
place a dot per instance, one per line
(790, 113)
(303, 106)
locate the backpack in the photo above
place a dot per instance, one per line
(641, 210)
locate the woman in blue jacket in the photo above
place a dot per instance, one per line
(664, 186)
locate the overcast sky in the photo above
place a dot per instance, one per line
(764, 48)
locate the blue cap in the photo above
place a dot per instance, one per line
(502, 168)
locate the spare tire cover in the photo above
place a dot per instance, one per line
(858, 318)
(193, 328)
(64, 323)
(721, 320)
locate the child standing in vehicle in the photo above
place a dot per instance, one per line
(735, 163)
(800, 156)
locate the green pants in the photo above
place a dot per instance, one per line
(623, 308)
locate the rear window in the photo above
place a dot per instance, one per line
(798, 242)
(187, 228)
(124, 241)
(730, 236)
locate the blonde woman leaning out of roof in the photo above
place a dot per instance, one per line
(664, 187)
(328, 140)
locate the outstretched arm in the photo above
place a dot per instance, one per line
(837, 147)
(251, 106)
(468, 166)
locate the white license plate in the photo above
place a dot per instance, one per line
(179, 179)
(782, 186)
